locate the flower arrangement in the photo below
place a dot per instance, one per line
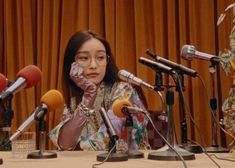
(227, 61)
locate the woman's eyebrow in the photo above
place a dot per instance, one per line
(85, 52)
(100, 51)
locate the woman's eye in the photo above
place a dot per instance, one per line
(84, 58)
(101, 57)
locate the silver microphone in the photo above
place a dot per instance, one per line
(50, 101)
(108, 124)
(37, 113)
(129, 77)
(26, 77)
(189, 52)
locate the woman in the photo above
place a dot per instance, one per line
(90, 75)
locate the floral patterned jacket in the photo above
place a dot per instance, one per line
(94, 135)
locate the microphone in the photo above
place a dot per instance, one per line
(108, 124)
(188, 52)
(27, 77)
(50, 101)
(156, 66)
(3, 82)
(129, 77)
(177, 67)
(122, 107)
(112, 155)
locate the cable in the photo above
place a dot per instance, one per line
(163, 116)
(205, 151)
(196, 126)
(218, 124)
(163, 138)
(219, 158)
(98, 164)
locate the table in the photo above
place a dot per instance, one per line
(85, 159)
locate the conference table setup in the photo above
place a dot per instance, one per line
(190, 129)
(85, 159)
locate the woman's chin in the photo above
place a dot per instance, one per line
(95, 81)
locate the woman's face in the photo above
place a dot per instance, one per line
(92, 58)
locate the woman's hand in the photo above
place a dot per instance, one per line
(89, 88)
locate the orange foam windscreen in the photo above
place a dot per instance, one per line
(3, 82)
(53, 99)
(118, 105)
(31, 73)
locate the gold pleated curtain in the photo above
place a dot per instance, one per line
(37, 31)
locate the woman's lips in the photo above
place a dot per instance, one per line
(92, 75)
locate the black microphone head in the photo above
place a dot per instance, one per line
(151, 53)
(156, 66)
(188, 52)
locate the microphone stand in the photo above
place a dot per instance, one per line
(214, 148)
(41, 154)
(184, 135)
(158, 81)
(112, 155)
(129, 126)
(6, 118)
(166, 153)
(158, 88)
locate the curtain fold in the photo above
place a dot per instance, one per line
(37, 31)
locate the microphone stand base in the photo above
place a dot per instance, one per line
(191, 148)
(165, 153)
(41, 155)
(170, 155)
(216, 149)
(135, 154)
(113, 157)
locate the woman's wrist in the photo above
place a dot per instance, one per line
(83, 109)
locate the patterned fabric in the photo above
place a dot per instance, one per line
(94, 135)
(155, 141)
(229, 111)
(227, 62)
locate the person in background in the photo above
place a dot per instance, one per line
(91, 82)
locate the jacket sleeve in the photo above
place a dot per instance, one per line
(66, 117)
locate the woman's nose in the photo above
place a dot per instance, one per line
(93, 62)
